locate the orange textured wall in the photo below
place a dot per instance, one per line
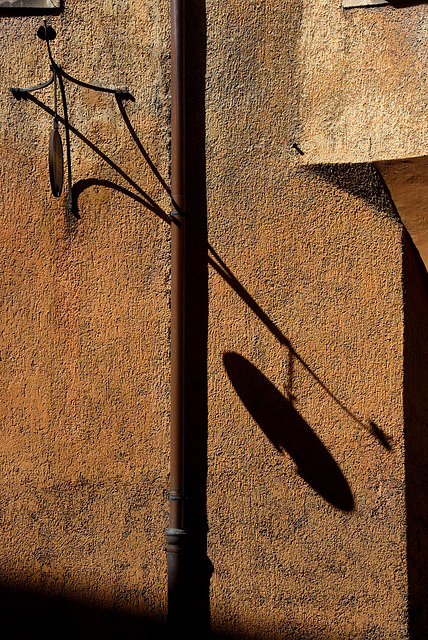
(296, 451)
(84, 355)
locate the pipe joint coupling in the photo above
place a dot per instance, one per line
(175, 539)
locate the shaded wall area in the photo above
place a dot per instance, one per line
(199, 567)
(38, 615)
(415, 396)
(407, 183)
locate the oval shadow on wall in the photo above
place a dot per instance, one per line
(288, 431)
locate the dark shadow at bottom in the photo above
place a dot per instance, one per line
(25, 614)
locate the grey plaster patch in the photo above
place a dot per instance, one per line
(348, 4)
(30, 4)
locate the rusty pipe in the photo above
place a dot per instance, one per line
(176, 534)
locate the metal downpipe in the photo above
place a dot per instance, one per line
(175, 534)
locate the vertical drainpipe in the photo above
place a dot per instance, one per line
(175, 534)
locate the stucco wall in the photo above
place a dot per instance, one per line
(363, 82)
(296, 483)
(85, 318)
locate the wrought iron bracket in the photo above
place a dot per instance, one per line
(47, 34)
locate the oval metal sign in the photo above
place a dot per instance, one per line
(56, 163)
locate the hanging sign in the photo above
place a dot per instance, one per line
(56, 162)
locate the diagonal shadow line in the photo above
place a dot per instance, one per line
(215, 261)
(119, 100)
(98, 151)
(223, 270)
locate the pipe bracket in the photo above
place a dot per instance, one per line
(176, 214)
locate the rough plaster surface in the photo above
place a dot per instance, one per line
(85, 319)
(304, 334)
(362, 77)
(319, 251)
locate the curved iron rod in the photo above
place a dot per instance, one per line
(80, 83)
(17, 91)
(91, 86)
(62, 74)
(58, 72)
(103, 156)
(53, 63)
(56, 68)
